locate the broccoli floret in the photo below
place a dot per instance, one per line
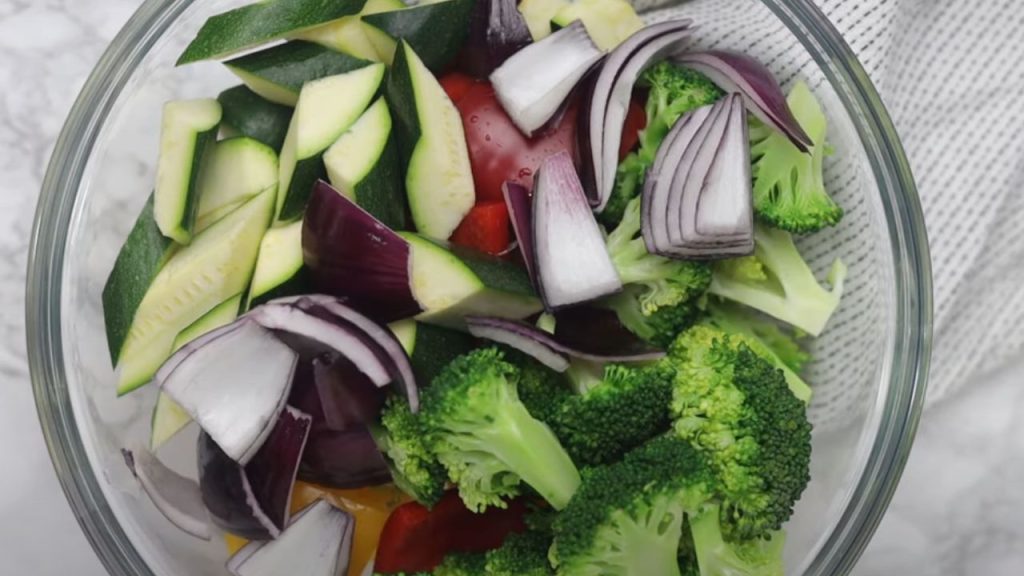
(778, 282)
(462, 564)
(789, 189)
(767, 340)
(402, 438)
(522, 554)
(736, 408)
(661, 294)
(673, 91)
(486, 438)
(717, 557)
(627, 408)
(541, 390)
(627, 518)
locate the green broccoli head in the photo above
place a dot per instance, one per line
(736, 408)
(402, 438)
(767, 340)
(627, 517)
(486, 438)
(672, 92)
(716, 556)
(540, 389)
(662, 293)
(627, 408)
(778, 282)
(789, 188)
(522, 554)
(462, 564)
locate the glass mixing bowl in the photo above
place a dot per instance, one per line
(871, 363)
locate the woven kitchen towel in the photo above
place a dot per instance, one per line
(950, 74)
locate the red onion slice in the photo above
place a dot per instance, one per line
(342, 338)
(318, 542)
(176, 497)
(655, 49)
(725, 207)
(345, 459)
(534, 82)
(572, 262)
(353, 255)
(234, 384)
(737, 72)
(517, 199)
(497, 30)
(394, 356)
(252, 501)
(550, 349)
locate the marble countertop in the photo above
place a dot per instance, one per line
(957, 511)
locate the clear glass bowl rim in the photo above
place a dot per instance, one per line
(903, 395)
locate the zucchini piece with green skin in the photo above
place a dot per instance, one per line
(608, 22)
(352, 36)
(326, 109)
(278, 73)
(280, 270)
(249, 26)
(236, 170)
(188, 129)
(141, 258)
(430, 348)
(248, 114)
(168, 417)
(450, 286)
(216, 266)
(363, 165)
(437, 32)
(539, 14)
(438, 178)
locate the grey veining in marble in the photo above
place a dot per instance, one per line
(958, 511)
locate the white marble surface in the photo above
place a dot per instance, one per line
(957, 512)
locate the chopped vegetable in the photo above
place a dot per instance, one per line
(437, 31)
(571, 262)
(485, 228)
(724, 392)
(496, 31)
(317, 543)
(418, 539)
(672, 92)
(737, 72)
(176, 497)
(533, 84)
(778, 282)
(610, 98)
(486, 439)
(789, 189)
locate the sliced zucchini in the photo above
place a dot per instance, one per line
(141, 257)
(217, 265)
(436, 32)
(363, 165)
(188, 128)
(280, 270)
(326, 109)
(236, 170)
(608, 22)
(539, 14)
(450, 287)
(247, 114)
(430, 348)
(249, 26)
(168, 417)
(279, 72)
(351, 36)
(438, 178)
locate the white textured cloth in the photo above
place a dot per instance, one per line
(950, 74)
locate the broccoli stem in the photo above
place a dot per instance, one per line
(530, 449)
(654, 551)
